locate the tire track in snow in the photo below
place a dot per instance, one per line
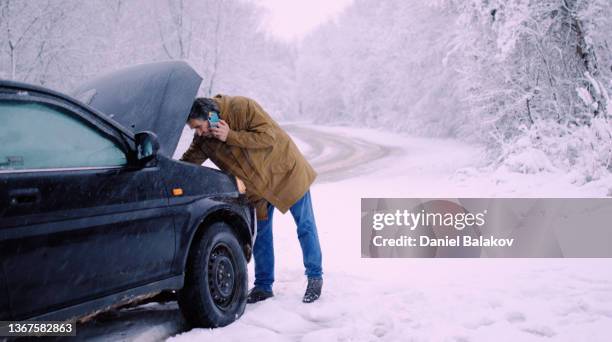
(337, 157)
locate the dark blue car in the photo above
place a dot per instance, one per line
(94, 212)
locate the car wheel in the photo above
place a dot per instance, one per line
(215, 290)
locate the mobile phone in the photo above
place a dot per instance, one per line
(213, 119)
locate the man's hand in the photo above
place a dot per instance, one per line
(240, 185)
(221, 131)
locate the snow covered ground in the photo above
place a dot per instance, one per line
(423, 299)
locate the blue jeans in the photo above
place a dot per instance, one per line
(263, 251)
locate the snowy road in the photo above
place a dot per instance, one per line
(338, 157)
(400, 299)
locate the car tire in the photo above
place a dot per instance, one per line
(216, 279)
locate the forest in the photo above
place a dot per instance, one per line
(529, 80)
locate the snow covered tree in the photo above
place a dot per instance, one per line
(520, 76)
(60, 43)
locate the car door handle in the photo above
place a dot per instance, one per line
(24, 197)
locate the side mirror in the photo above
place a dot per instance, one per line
(146, 146)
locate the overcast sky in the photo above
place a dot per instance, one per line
(292, 19)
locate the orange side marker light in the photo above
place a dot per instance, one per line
(177, 192)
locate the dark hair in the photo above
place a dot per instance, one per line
(201, 107)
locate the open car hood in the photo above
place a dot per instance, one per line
(153, 97)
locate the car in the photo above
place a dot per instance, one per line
(94, 212)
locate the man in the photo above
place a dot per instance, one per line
(250, 145)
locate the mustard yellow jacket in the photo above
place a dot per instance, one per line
(257, 151)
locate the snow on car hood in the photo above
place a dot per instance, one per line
(153, 97)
